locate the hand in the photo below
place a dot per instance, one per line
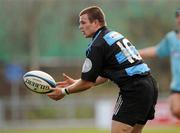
(67, 81)
(56, 94)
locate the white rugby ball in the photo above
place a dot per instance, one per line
(39, 81)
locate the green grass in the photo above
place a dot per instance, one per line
(91, 130)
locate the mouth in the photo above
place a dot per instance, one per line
(83, 32)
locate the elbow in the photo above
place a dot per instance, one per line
(88, 84)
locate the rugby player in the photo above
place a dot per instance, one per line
(169, 46)
(112, 56)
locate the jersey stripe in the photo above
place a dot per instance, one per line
(112, 37)
(137, 69)
(120, 57)
(118, 105)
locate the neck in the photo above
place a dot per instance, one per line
(97, 30)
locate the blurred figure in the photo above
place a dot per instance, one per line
(111, 56)
(169, 46)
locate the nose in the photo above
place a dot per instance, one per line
(80, 27)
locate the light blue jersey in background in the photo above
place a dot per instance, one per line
(170, 46)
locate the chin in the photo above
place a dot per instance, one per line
(87, 36)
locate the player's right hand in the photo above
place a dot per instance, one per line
(67, 81)
(56, 94)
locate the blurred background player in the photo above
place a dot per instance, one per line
(111, 56)
(169, 46)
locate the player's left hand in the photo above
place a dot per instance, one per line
(56, 94)
(67, 81)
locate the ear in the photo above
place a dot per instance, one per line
(96, 22)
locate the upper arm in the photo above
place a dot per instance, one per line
(93, 64)
(149, 52)
(162, 49)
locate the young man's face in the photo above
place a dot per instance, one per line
(86, 27)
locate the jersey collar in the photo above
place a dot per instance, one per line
(95, 34)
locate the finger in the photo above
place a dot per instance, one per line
(62, 86)
(55, 96)
(51, 93)
(66, 77)
(51, 88)
(62, 83)
(52, 97)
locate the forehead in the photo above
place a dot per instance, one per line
(83, 17)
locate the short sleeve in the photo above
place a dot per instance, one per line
(162, 49)
(93, 64)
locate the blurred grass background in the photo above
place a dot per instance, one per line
(44, 34)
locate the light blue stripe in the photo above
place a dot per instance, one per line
(112, 37)
(138, 69)
(94, 39)
(135, 52)
(120, 57)
(90, 44)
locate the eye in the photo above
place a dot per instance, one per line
(82, 22)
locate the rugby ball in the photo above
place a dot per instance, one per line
(39, 81)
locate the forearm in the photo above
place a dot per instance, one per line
(82, 85)
(147, 53)
(79, 85)
(75, 86)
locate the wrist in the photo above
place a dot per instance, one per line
(65, 91)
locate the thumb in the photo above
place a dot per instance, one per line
(66, 77)
(52, 88)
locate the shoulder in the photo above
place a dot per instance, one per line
(110, 37)
(171, 34)
(99, 41)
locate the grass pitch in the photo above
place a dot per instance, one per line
(174, 129)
